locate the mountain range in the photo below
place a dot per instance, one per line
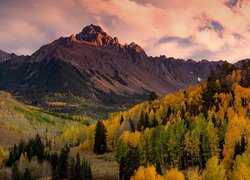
(94, 65)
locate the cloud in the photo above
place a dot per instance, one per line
(178, 40)
(198, 29)
(234, 3)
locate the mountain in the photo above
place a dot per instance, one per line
(96, 66)
(242, 64)
(4, 56)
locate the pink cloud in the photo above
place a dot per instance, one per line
(28, 24)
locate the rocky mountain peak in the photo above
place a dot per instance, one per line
(136, 47)
(95, 34)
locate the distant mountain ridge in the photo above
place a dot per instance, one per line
(4, 56)
(96, 66)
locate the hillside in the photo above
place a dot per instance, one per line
(18, 121)
(95, 66)
(199, 130)
(21, 123)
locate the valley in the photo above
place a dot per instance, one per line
(88, 107)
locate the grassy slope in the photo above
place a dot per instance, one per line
(104, 167)
(20, 121)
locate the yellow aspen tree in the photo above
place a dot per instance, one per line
(146, 173)
(174, 174)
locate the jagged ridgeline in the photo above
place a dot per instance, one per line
(203, 131)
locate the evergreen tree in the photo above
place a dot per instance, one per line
(122, 169)
(85, 173)
(78, 166)
(15, 173)
(132, 162)
(73, 173)
(21, 146)
(15, 153)
(146, 121)
(158, 168)
(53, 161)
(27, 174)
(89, 172)
(169, 112)
(62, 164)
(152, 96)
(39, 148)
(131, 125)
(140, 125)
(154, 122)
(10, 160)
(100, 145)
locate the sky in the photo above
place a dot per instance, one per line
(188, 29)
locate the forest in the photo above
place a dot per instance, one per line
(201, 132)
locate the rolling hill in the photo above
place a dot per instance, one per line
(18, 121)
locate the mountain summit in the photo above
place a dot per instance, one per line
(95, 34)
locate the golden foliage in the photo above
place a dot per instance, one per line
(236, 128)
(242, 172)
(2, 156)
(146, 173)
(214, 170)
(132, 138)
(174, 174)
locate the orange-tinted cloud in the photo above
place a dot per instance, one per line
(211, 29)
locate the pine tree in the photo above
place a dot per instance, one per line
(15, 153)
(140, 125)
(62, 164)
(132, 162)
(154, 122)
(158, 168)
(131, 125)
(27, 174)
(121, 169)
(152, 96)
(20, 148)
(100, 145)
(15, 173)
(39, 148)
(146, 121)
(10, 160)
(89, 172)
(169, 112)
(53, 161)
(78, 166)
(73, 173)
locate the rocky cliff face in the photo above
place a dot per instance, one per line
(94, 65)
